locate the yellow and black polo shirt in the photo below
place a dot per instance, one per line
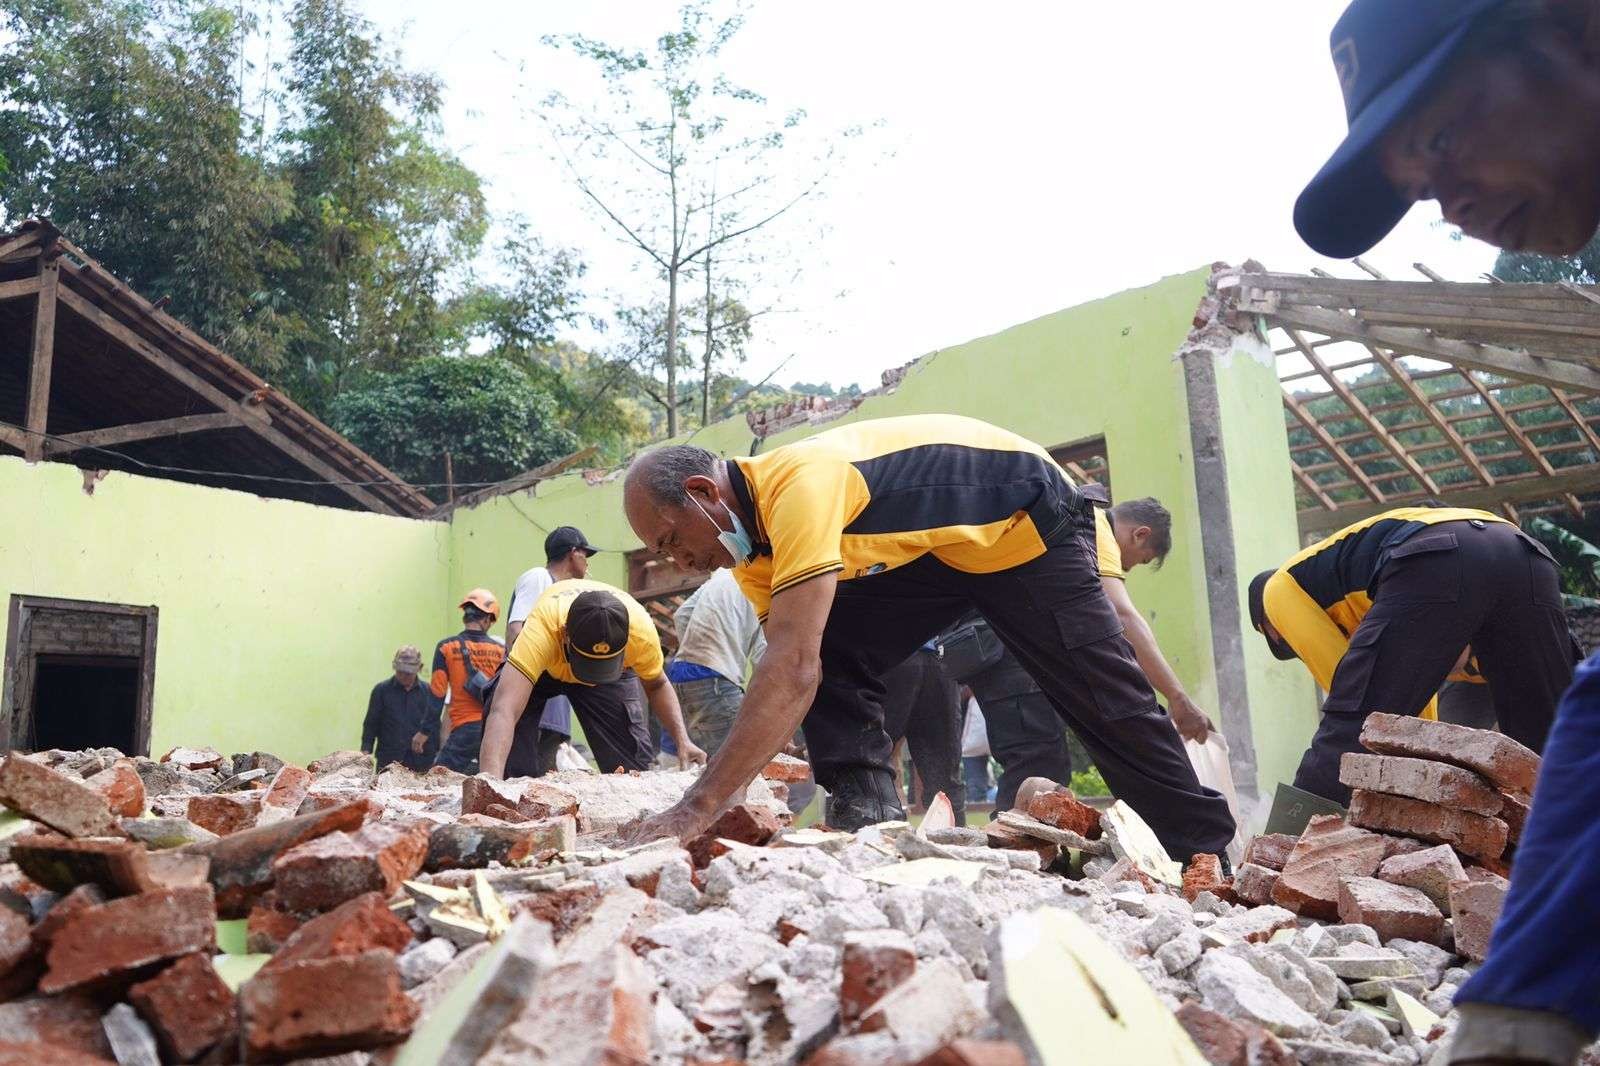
(538, 649)
(1317, 599)
(875, 495)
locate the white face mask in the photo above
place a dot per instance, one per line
(737, 541)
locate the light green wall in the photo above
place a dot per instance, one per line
(276, 618)
(1105, 367)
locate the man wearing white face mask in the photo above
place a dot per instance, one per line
(857, 546)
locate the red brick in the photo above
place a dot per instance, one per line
(1328, 850)
(1430, 871)
(194, 758)
(283, 796)
(17, 951)
(362, 924)
(102, 946)
(32, 1053)
(464, 845)
(63, 803)
(188, 1006)
(562, 908)
(1203, 874)
(71, 1022)
(326, 799)
(79, 899)
(787, 769)
(609, 990)
(1478, 873)
(1127, 870)
(321, 874)
(325, 1007)
(533, 800)
(1270, 850)
(1391, 910)
(1012, 839)
(502, 813)
(1063, 810)
(225, 813)
(1471, 834)
(743, 824)
(1474, 907)
(1507, 764)
(873, 963)
(976, 1053)
(1514, 813)
(1432, 782)
(118, 866)
(1253, 884)
(1226, 1041)
(1393, 845)
(268, 927)
(480, 792)
(122, 788)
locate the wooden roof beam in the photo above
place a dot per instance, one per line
(1531, 487)
(1338, 453)
(135, 431)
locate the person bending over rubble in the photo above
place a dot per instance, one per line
(595, 645)
(1381, 612)
(859, 544)
(1489, 107)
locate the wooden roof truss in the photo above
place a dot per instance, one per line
(1479, 394)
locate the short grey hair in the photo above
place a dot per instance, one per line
(663, 471)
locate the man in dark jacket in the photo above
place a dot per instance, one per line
(402, 719)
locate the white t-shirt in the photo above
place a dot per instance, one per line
(975, 735)
(718, 628)
(557, 709)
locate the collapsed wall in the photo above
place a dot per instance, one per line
(241, 910)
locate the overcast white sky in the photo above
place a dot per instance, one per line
(1031, 156)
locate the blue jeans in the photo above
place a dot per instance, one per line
(460, 751)
(975, 775)
(710, 704)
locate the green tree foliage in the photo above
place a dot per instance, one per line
(1580, 269)
(122, 123)
(493, 416)
(1578, 559)
(523, 316)
(383, 214)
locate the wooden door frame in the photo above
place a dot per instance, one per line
(18, 690)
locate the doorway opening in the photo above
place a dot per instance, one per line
(78, 675)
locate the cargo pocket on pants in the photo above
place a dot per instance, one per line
(1104, 662)
(1353, 676)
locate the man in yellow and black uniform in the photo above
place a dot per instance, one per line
(596, 645)
(861, 543)
(1381, 612)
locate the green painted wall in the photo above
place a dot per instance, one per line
(1283, 700)
(276, 618)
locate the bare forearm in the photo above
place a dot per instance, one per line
(664, 705)
(500, 721)
(1151, 661)
(772, 710)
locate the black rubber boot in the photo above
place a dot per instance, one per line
(863, 797)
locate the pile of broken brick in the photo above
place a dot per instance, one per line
(203, 909)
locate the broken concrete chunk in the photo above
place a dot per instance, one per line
(1233, 987)
(1474, 908)
(100, 946)
(1471, 834)
(1391, 910)
(1431, 871)
(1432, 782)
(63, 803)
(610, 991)
(323, 1007)
(161, 833)
(188, 1006)
(1328, 850)
(926, 1011)
(1253, 884)
(131, 1040)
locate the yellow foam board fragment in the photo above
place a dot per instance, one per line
(927, 871)
(1132, 838)
(1070, 998)
(1416, 1020)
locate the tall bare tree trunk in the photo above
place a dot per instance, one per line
(705, 369)
(672, 350)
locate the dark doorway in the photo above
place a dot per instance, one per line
(82, 702)
(78, 674)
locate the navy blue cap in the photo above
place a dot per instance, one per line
(1388, 55)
